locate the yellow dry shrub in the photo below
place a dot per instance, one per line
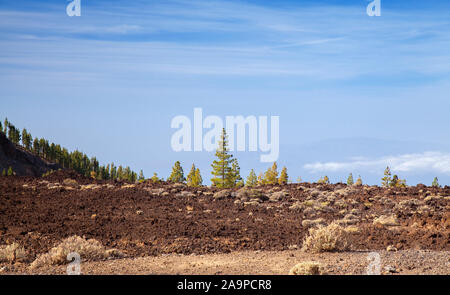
(332, 237)
(11, 253)
(87, 249)
(70, 182)
(307, 268)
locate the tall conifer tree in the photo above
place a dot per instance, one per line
(177, 175)
(222, 166)
(284, 178)
(252, 180)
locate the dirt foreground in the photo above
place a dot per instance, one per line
(171, 228)
(406, 262)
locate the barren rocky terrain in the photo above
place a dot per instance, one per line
(172, 228)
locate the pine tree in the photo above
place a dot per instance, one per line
(284, 178)
(350, 179)
(435, 182)
(141, 176)
(107, 172)
(260, 178)
(194, 178)
(26, 139)
(190, 179)
(198, 177)
(155, 178)
(13, 134)
(324, 180)
(1, 127)
(36, 146)
(177, 175)
(271, 175)
(234, 178)
(127, 173)
(5, 127)
(359, 181)
(120, 175)
(252, 180)
(396, 182)
(386, 180)
(222, 169)
(113, 170)
(10, 171)
(4, 172)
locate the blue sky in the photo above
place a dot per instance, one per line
(354, 93)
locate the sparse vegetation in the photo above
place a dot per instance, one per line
(141, 177)
(87, 249)
(12, 253)
(326, 239)
(284, 178)
(396, 182)
(350, 179)
(307, 268)
(386, 220)
(177, 175)
(155, 178)
(271, 175)
(435, 183)
(226, 170)
(235, 177)
(194, 178)
(392, 181)
(70, 182)
(260, 178)
(324, 180)
(369, 217)
(386, 180)
(75, 160)
(252, 180)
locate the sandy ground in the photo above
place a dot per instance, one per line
(261, 263)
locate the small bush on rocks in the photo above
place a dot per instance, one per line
(328, 238)
(307, 268)
(87, 249)
(12, 253)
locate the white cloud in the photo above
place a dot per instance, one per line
(420, 162)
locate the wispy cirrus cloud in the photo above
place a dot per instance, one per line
(285, 41)
(425, 162)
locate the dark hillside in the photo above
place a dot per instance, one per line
(22, 162)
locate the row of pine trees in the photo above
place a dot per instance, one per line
(225, 169)
(75, 160)
(226, 172)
